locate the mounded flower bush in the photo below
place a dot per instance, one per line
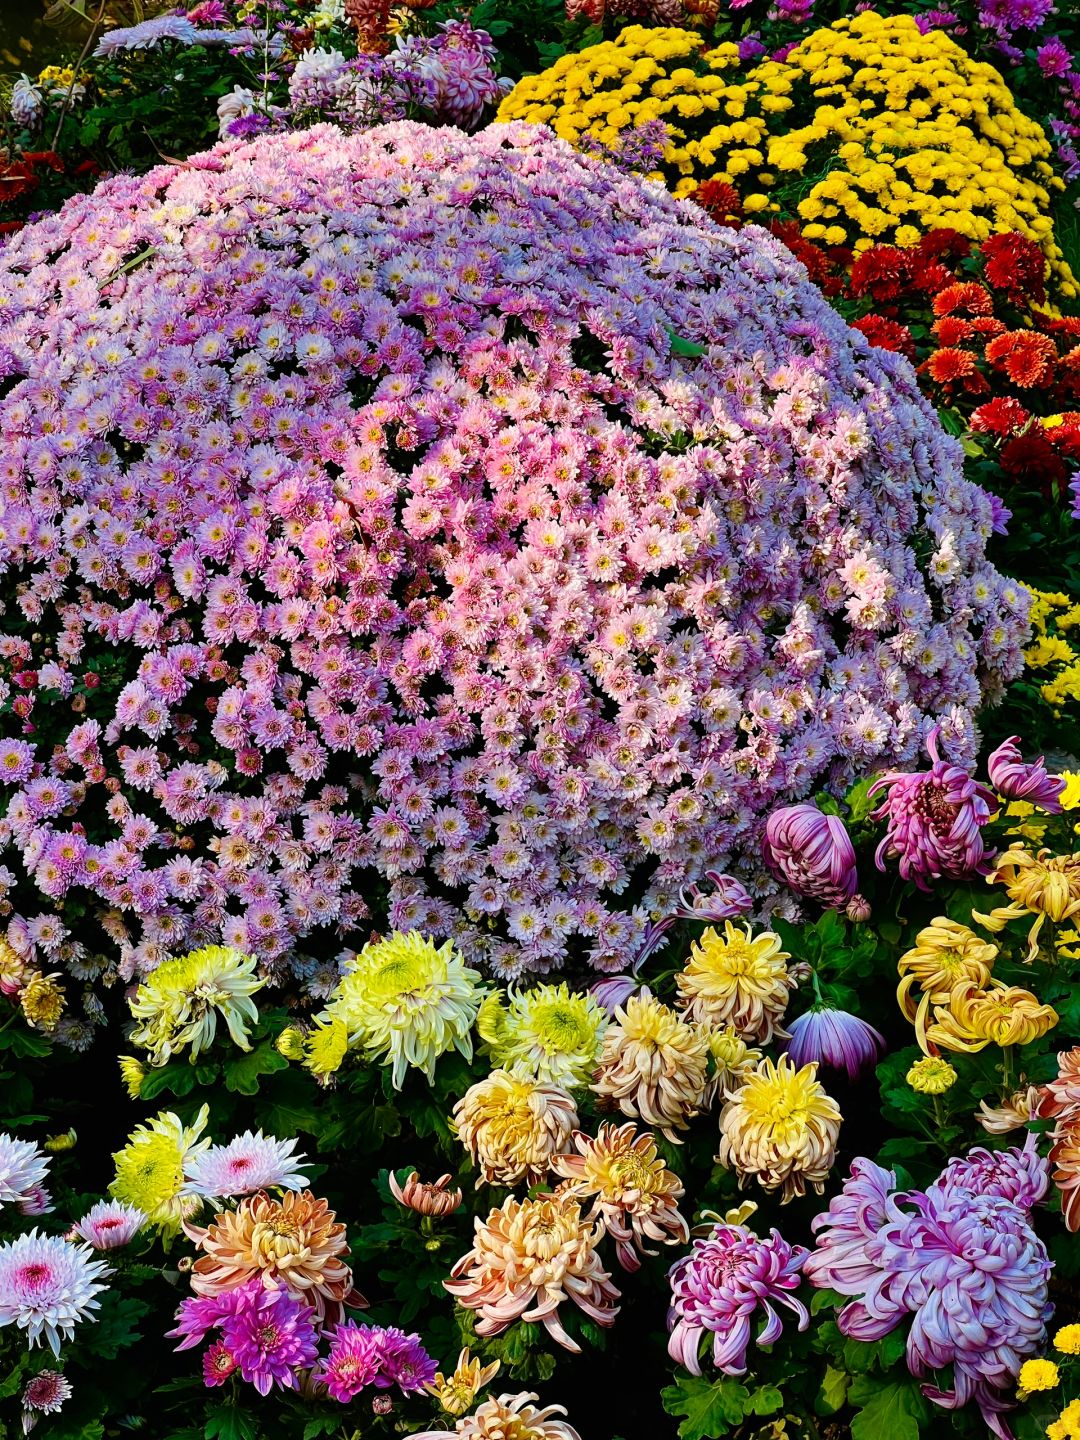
(450, 534)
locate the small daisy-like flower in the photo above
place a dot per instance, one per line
(252, 1161)
(23, 1168)
(44, 1395)
(782, 1127)
(513, 1126)
(109, 1224)
(737, 979)
(179, 1004)
(48, 1285)
(549, 1033)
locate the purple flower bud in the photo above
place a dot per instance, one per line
(812, 852)
(836, 1040)
(935, 819)
(1017, 779)
(613, 991)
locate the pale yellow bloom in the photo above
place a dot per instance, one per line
(781, 1128)
(654, 1065)
(737, 979)
(512, 1127)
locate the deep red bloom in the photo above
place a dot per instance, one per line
(1028, 359)
(886, 334)
(720, 201)
(1031, 458)
(1000, 416)
(883, 272)
(945, 242)
(1016, 265)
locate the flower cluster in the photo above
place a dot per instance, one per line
(380, 584)
(1052, 655)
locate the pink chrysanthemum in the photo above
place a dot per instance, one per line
(250, 1162)
(353, 1361)
(1018, 779)
(270, 1337)
(110, 1224)
(23, 1168)
(44, 1395)
(47, 1285)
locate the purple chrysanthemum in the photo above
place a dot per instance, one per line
(835, 1039)
(719, 1286)
(812, 852)
(353, 1361)
(403, 1362)
(199, 1314)
(963, 1262)
(146, 35)
(935, 819)
(1019, 1175)
(270, 1337)
(1017, 779)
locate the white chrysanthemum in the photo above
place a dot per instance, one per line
(110, 1224)
(253, 1161)
(47, 1285)
(23, 1168)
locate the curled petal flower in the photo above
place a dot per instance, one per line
(782, 1128)
(513, 1126)
(812, 852)
(737, 979)
(435, 1197)
(510, 1417)
(1044, 885)
(945, 955)
(654, 1065)
(1016, 779)
(973, 1019)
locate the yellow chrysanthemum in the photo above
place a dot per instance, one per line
(733, 1061)
(324, 1048)
(1067, 1340)
(549, 1032)
(42, 1001)
(407, 1001)
(781, 1127)
(512, 1126)
(931, 1076)
(654, 1065)
(1044, 885)
(737, 979)
(290, 1043)
(179, 1003)
(1038, 1375)
(457, 1391)
(945, 954)
(132, 1073)
(150, 1169)
(976, 1018)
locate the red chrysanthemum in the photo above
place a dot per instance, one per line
(1016, 265)
(1065, 437)
(1031, 458)
(963, 295)
(886, 334)
(883, 272)
(1001, 416)
(1028, 359)
(988, 325)
(945, 242)
(721, 202)
(948, 365)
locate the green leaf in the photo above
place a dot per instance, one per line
(766, 1400)
(242, 1071)
(834, 1390)
(707, 1410)
(117, 1325)
(322, 1425)
(679, 346)
(226, 1422)
(891, 1408)
(177, 1079)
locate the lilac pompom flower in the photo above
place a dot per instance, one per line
(836, 1040)
(935, 819)
(812, 852)
(1016, 779)
(718, 1287)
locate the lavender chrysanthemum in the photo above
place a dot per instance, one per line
(1019, 1175)
(812, 852)
(935, 819)
(836, 1040)
(23, 1169)
(270, 1336)
(718, 1288)
(47, 1285)
(250, 1162)
(110, 1224)
(1019, 779)
(146, 35)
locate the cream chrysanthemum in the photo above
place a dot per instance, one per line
(782, 1128)
(150, 1169)
(512, 1126)
(527, 1258)
(457, 1391)
(550, 1033)
(407, 1001)
(633, 1193)
(737, 979)
(510, 1417)
(23, 1170)
(179, 1003)
(654, 1065)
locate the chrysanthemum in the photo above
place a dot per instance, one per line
(945, 954)
(512, 1126)
(180, 1002)
(150, 1169)
(44, 1395)
(510, 1417)
(1014, 1111)
(270, 1337)
(1016, 779)
(406, 1001)
(1039, 1374)
(812, 852)
(781, 1127)
(426, 1197)
(23, 1168)
(293, 1243)
(132, 1073)
(931, 1076)
(654, 1065)
(324, 1048)
(403, 1362)
(718, 1288)
(457, 1391)
(109, 1225)
(733, 1062)
(1044, 885)
(633, 1193)
(352, 1362)
(47, 1286)
(43, 1001)
(1060, 1102)
(973, 1019)
(737, 979)
(250, 1162)
(549, 1032)
(527, 1258)
(835, 1040)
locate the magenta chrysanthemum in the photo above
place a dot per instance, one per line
(250, 1162)
(47, 1286)
(45, 1393)
(270, 1336)
(1019, 1175)
(110, 1224)
(718, 1290)
(935, 819)
(402, 499)
(812, 852)
(353, 1360)
(1015, 778)
(404, 1362)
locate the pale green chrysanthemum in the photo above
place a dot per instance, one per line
(179, 1003)
(548, 1033)
(150, 1168)
(405, 1000)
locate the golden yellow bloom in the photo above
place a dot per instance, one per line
(150, 1169)
(635, 1196)
(654, 1065)
(290, 1043)
(931, 1076)
(512, 1126)
(1067, 1340)
(1044, 885)
(426, 1197)
(976, 1018)
(42, 1001)
(781, 1127)
(325, 1046)
(549, 1032)
(132, 1073)
(58, 1144)
(529, 1256)
(1020, 1107)
(945, 954)
(1038, 1375)
(457, 1391)
(738, 979)
(293, 1243)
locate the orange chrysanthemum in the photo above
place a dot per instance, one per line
(965, 295)
(1026, 358)
(947, 365)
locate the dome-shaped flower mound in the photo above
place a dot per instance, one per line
(455, 509)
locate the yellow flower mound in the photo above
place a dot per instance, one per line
(869, 131)
(1054, 653)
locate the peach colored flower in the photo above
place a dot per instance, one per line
(512, 1126)
(510, 1417)
(426, 1197)
(654, 1065)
